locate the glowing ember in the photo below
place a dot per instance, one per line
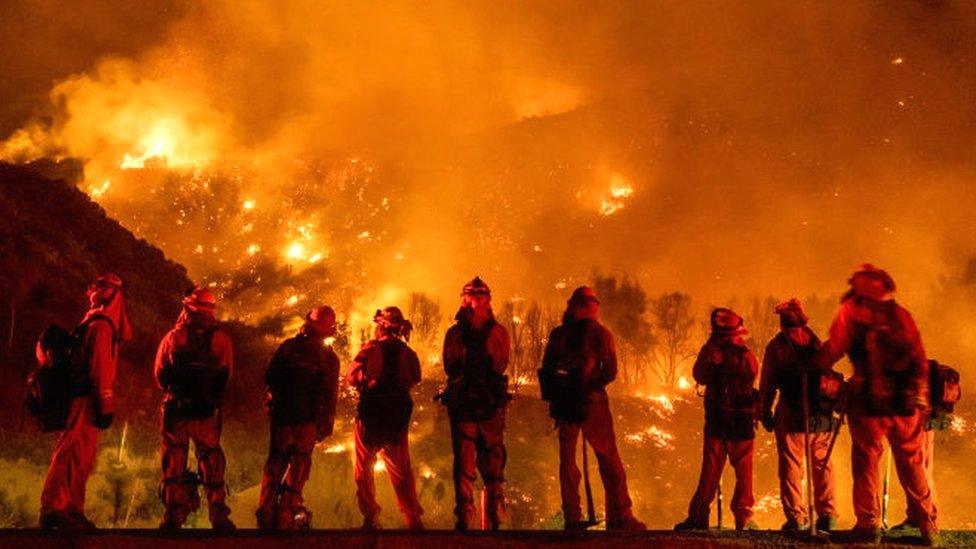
(248, 205)
(379, 466)
(427, 472)
(767, 503)
(683, 383)
(654, 435)
(98, 190)
(897, 61)
(253, 249)
(336, 449)
(958, 425)
(295, 251)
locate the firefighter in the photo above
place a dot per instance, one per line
(383, 372)
(789, 356)
(104, 327)
(303, 385)
(476, 352)
(728, 370)
(193, 366)
(580, 360)
(889, 397)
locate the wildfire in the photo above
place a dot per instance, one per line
(161, 145)
(340, 448)
(767, 503)
(97, 191)
(654, 435)
(620, 191)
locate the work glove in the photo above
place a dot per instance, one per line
(767, 422)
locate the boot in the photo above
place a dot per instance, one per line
(906, 524)
(302, 518)
(689, 524)
(414, 523)
(627, 524)
(371, 523)
(220, 517)
(747, 525)
(826, 524)
(62, 521)
(866, 534)
(81, 520)
(793, 525)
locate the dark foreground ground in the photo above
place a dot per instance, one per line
(392, 539)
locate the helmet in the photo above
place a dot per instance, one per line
(476, 287)
(200, 300)
(390, 319)
(868, 270)
(726, 322)
(321, 319)
(583, 294)
(791, 314)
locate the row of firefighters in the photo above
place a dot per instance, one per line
(888, 397)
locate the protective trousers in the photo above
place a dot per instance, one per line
(396, 458)
(205, 434)
(72, 461)
(928, 462)
(906, 438)
(714, 452)
(285, 473)
(479, 446)
(792, 458)
(597, 430)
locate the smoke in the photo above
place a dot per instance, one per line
(296, 152)
(716, 148)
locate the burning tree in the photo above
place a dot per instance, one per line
(673, 326)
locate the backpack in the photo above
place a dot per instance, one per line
(195, 380)
(385, 409)
(892, 373)
(297, 393)
(731, 406)
(944, 388)
(60, 374)
(561, 380)
(479, 392)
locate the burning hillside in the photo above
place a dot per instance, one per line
(674, 156)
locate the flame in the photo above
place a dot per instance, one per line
(379, 466)
(619, 191)
(339, 448)
(654, 435)
(958, 424)
(97, 191)
(684, 384)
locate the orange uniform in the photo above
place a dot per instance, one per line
(884, 406)
(76, 446)
(193, 364)
(475, 359)
(590, 345)
(383, 372)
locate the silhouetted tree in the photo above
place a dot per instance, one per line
(673, 328)
(624, 310)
